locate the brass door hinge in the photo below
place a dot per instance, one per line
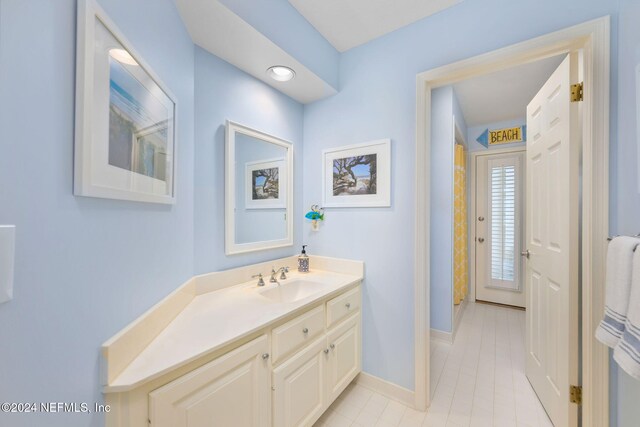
(575, 394)
(577, 92)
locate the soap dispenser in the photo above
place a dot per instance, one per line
(303, 261)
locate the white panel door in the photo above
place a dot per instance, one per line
(233, 390)
(344, 356)
(499, 236)
(299, 387)
(552, 220)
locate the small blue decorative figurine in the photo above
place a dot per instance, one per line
(315, 214)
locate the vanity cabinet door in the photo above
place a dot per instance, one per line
(299, 390)
(344, 361)
(232, 390)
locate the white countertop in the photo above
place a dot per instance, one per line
(216, 319)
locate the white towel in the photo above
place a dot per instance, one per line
(618, 288)
(627, 352)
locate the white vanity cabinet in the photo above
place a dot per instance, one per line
(232, 390)
(239, 357)
(313, 358)
(307, 383)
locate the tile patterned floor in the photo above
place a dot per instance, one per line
(477, 381)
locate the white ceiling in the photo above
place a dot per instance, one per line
(350, 23)
(215, 28)
(503, 95)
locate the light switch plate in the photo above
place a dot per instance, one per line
(7, 256)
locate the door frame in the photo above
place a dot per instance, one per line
(593, 37)
(473, 157)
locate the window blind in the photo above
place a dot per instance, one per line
(503, 223)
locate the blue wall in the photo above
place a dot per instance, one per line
(377, 100)
(442, 156)
(85, 267)
(78, 266)
(224, 92)
(475, 131)
(625, 194)
(458, 116)
(445, 113)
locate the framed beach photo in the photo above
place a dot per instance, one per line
(357, 175)
(125, 138)
(262, 180)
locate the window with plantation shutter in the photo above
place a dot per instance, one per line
(503, 224)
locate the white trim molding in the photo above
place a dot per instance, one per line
(592, 39)
(442, 336)
(595, 223)
(457, 316)
(449, 337)
(387, 389)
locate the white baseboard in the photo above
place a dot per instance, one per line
(448, 337)
(438, 335)
(458, 318)
(387, 389)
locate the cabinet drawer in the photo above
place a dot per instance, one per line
(297, 332)
(342, 306)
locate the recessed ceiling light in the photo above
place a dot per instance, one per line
(281, 73)
(122, 56)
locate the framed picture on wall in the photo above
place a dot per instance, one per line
(263, 190)
(357, 175)
(125, 137)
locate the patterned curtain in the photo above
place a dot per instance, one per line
(460, 257)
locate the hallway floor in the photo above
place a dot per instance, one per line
(478, 380)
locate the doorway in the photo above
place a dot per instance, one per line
(497, 221)
(538, 99)
(592, 39)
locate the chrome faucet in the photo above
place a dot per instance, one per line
(260, 279)
(275, 272)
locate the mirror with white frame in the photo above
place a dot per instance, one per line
(258, 190)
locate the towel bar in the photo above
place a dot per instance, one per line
(610, 238)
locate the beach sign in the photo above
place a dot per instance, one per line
(503, 136)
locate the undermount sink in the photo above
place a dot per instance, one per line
(291, 290)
